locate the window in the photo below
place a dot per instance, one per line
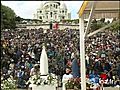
(55, 16)
(63, 17)
(54, 5)
(51, 14)
(40, 17)
(62, 11)
(40, 11)
(46, 7)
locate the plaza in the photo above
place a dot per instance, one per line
(59, 55)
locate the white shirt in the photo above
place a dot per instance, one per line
(65, 79)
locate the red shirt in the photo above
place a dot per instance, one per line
(103, 76)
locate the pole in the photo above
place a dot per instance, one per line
(82, 53)
(90, 17)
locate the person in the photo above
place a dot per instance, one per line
(66, 77)
(75, 68)
(35, 70)
(20, 75)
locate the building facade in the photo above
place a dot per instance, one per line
(52, 11)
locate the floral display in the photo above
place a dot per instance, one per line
(8, 84)
(50, 79)
(74, 84)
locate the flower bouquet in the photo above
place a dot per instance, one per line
(75, 84)
(8, 84)
(37, 82)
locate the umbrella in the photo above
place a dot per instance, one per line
(43, 62)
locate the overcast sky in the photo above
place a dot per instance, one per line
(25, 9)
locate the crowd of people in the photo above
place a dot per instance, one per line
(21, 50)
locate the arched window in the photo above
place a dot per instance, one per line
(51, 14)
(54, 5)
(40, 17)
(40, 11)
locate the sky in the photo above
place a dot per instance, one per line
(26, 9)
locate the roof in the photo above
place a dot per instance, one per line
(111, 6)
(63, 6)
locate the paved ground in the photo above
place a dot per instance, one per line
(106, 88)
(110, 88)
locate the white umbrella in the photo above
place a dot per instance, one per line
(43, 62)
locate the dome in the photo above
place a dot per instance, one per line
(63, 6)
(41, 5)
(52, 2)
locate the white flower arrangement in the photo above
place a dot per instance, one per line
(8, 84)
(51, 79)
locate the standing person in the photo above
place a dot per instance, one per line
(75, 68)
(66, 77)
(35, 70)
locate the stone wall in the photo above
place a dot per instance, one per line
(47, 26)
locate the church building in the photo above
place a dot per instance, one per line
(52, 11)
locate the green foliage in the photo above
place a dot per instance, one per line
(97, 24)
(18, 19)
(73, 83)
(94, 25)
(115, 27)
(102, 20)
(9, 84)
(38, 80)
(7, 18)
(76, 21)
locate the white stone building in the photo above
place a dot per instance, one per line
(52, 11)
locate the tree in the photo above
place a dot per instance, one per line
(97, 24)
(115, 27)
(7, 18)
(18, 19)
(102, 20)
(94, 25)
